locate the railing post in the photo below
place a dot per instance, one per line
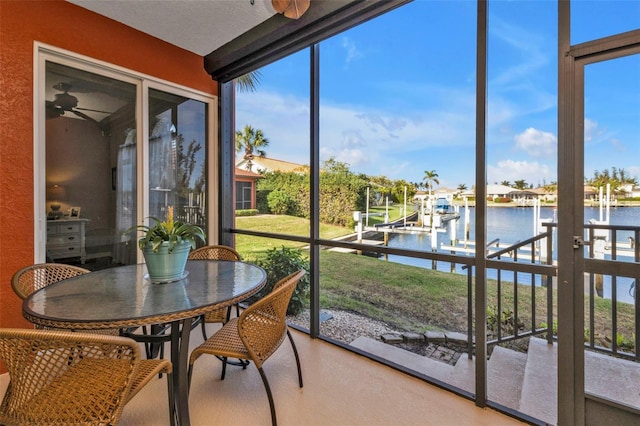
(549, 286)
(636, 303)
(469, 312)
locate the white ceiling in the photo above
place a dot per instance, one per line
(199, 26)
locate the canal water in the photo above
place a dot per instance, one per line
(511, 225)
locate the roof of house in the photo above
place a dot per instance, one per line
(247, 173)
(444, 189)
(269, 164)
(499, 189)
(542, 191)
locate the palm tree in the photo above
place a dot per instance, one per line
(520, 184)
(461, 188)
(251, 140)
(248, 82)
(430, 177)
(551, 187)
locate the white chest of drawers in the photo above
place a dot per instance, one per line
(66, 239)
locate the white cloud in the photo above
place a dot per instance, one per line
(352, 51)
(521, 41)
(634, 171)
(371, 140)
(537, 143)
(511, 170)
(590, 130)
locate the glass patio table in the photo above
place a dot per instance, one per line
(124, 298)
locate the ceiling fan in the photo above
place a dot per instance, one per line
(291, 8)
(65, 102)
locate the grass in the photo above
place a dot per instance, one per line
(394, 213)
(253, 248)
(407, 297)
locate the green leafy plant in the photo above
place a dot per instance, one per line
(279, 202)
(624, 342)
(282, 262)
(504, 320)
(172, 231)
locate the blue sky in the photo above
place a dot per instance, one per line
(398, 94)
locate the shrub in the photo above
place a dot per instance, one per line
(502, 200)
(247, 212)
(261, 200)
(504, 320)
(279, 202)
(282, 262)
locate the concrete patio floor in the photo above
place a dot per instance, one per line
(340, 388)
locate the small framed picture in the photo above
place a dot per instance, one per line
(74, 212)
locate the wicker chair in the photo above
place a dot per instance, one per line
(215, 252)
(34, 277)
(59, 377)
(256, 334)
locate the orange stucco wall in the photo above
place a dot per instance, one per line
(69, 27)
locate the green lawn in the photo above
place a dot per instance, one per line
(253, 248)
(395, 212)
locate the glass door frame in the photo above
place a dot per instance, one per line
(143, 82)
(211, 145)
(572, 60)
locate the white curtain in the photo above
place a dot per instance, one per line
(125, 250)
(162, 166)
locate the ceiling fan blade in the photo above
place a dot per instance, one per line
(280, 5)
(83, 115)
(92, 110)
(291, 8)
(297, 8)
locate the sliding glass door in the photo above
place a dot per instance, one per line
(106, 170)
(91, 187)
(177, 161)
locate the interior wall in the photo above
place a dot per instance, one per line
(69, 27)
(86, 183)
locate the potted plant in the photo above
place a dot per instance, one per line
(166, 245)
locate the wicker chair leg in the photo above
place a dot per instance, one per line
(224, 367)
(240, 363)
(268, 389)
(295, 352)
(204, 330)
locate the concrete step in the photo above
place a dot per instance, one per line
(612, 378)
(605, 376)
(540, 385)
(505, 373)
(464, 374)
(429, 367)
(524, 382)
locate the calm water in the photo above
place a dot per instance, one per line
(511, 225)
